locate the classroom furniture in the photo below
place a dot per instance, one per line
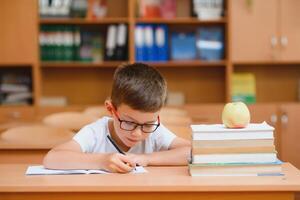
(181, 131)
(73, 121)
(176, 120)
(178, 111)
(30, 143)
(159, 182)
(267, 45)
(97, 111)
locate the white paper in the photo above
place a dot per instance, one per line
(40, 170)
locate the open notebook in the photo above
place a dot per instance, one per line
(40, 170)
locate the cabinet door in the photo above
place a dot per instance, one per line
(253, 25)
(290, 134)
(18, 35)
(290, 30)
(205, 113)
(268, 113)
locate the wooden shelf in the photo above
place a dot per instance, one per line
(184, 20)
(82, 21)
(16, 112)
(266, 63)
(193, 63)
(16, 65)
(106, 64)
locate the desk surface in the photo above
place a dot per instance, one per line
(13, 179)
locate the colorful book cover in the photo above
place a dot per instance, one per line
(243, 87)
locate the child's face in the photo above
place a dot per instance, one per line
(125, 121)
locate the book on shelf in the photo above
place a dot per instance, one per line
(183, 46)
(236, 169)
(156, 8)
(91, 48)
(18, 97)
(210, 43)
(15, 88)
(243, 87)
(121, 45)
(151, 42)
(10, 87)
(116, 42)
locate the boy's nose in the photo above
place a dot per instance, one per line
(137, 131)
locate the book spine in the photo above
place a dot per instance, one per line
(232, 143)
(216, 150)
(235, 158)
(232, 136)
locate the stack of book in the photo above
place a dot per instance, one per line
(220, 151)
(15, 88)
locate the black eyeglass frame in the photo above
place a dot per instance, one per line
(136, 124)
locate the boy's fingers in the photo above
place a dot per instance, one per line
(117, 168)
(128, 160)
(123, 167)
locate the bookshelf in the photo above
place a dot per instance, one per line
(18, 21)
(85, 83)
(95, 77)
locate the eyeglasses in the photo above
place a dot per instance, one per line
(130, 126)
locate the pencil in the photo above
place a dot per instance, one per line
(116, 146)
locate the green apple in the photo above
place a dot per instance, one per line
(236, 115)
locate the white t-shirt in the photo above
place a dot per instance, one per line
(93, 139)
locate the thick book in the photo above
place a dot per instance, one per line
(235, 158)
(232, 143)
(233, 136)
(220, 150)
(247, 169)
(220, 128)
(220, 132)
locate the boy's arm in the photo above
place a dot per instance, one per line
(70, 156)
(178, 154)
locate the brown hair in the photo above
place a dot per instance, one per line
(139, 86)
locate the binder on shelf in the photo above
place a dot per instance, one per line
(161, 42)
(183, 46)
(111, 43)
(149, 43)
(210, 43)
(139, 43)
(121, 49)
(86, 47)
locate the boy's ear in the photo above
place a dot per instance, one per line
(109, 106)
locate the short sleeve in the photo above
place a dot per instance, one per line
(163, 138)
(86, 139)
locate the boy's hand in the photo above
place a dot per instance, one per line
(139, 159)
(120, 163)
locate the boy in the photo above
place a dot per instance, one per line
(138, 94)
